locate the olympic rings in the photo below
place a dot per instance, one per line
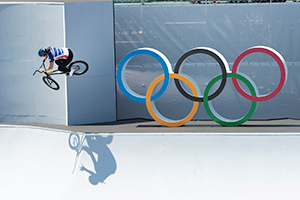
(168, 73)
(154, 112)
(280, 61)
(218, 118)
(218, 57)
(165, 63)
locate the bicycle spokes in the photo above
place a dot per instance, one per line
(80, 67)
(51, 83)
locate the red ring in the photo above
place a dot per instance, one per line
(280, 61)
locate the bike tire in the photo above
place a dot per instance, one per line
(51, 83)
(74, 141)
(83, 67)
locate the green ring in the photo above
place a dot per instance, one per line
(218, 118)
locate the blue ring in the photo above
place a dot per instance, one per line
(123, 64)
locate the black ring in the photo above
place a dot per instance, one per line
(217, 58)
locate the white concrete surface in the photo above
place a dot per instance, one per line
(37, 163)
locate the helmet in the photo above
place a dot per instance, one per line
(42, 52)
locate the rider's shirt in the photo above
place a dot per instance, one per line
(58, 53)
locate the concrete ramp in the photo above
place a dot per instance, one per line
(35, 163)
(49, 164)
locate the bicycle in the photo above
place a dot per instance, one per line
(76, 143)
(79, 66)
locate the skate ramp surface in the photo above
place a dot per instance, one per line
(47, 163)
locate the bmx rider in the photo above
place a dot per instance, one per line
(61, 56)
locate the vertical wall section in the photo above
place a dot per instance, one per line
(86, 28)
(24, 28)
(90, 35)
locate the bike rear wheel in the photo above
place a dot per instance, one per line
(80, 67)
(50, 83)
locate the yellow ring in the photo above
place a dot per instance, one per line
(155, 114)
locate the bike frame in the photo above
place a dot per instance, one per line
(50, 82)
(55, 72)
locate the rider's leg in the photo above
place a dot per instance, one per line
(59, 61)
(63, 63)
(62, 66)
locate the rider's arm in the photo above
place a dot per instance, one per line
(51, 62)
(49, 68)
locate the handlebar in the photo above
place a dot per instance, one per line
(54, 72)
(38, 70)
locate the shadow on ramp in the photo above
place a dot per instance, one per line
(104, 163)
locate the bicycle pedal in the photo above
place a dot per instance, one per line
(76, 68)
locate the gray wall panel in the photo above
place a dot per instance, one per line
(228, 28)
(24, 28)
(89, 33)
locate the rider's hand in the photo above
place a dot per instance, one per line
(82, 168)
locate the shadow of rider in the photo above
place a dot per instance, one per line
(105, 163)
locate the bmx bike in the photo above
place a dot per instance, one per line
(80, 67)
(76, 143)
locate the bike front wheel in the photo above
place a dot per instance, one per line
(80, 67)
(50, 83)
(74, 141)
